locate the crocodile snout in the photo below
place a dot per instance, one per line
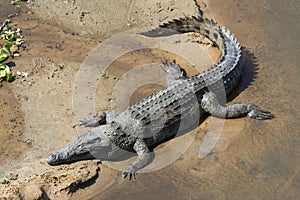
(51, 158)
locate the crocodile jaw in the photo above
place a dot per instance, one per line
(56, 158)
(90, 145)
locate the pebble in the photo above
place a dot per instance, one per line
(23, 74)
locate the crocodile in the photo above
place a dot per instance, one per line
(175, 109)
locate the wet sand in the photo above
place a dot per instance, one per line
(252, 159)
(12, 127)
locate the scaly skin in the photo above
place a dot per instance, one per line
(174, 109)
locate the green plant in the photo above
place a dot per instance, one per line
(5, 73)
(10, 41)
(14, 2)
(4, 180)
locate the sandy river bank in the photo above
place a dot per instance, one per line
(252, 159)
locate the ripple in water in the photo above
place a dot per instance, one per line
(289, 9)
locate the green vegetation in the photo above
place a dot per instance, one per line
(4, 180)
(15, 2)
(10, 41)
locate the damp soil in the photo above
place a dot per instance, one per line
(251, 160)
(12, 127)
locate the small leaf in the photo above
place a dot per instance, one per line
(14, 2)
(6, 48)
(19, 41)
(5, 28)
(3, 57)
(2, 73)
(2, 66)
(9, 76)
(7, 69)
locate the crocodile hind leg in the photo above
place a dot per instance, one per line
(175, 72)
(211, 105)
(103, 118)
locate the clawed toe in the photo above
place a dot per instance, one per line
(91, 122)
(260, 114)
(88, 123)
(129, 175)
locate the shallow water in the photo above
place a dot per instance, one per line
(253, 159)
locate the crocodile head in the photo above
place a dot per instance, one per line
(90, 145)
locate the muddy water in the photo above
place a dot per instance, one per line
(253, 159)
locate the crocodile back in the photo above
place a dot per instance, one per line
(176, 108)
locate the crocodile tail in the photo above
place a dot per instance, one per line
(190, 24)
(198, 8)
(227, 67)
(206, 27)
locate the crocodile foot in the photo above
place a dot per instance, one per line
(129, 175)
(258, 113)
(94, 122)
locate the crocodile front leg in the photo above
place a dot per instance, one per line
(143, 159)
(211, 105)
(103, 118)
(175, 72)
